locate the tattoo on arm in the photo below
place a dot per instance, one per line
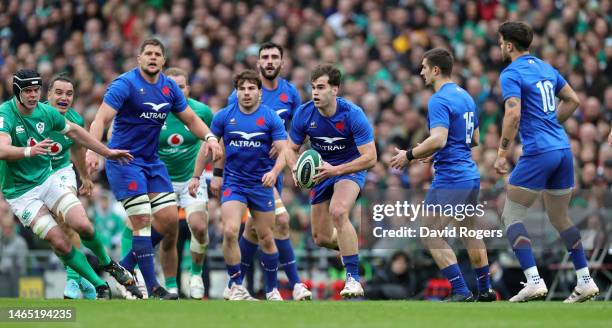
(505, 143)
(512, 103)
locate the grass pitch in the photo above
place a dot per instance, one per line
(221, 314)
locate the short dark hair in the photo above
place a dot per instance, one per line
(520, 34)
(248, 75)
(153, 42)
(60, 77)
(270, 45)
(440, 57)
(331, 71)
(176, 71)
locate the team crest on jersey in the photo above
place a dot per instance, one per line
(56, 148)
(260, 121)
(340, 126)
(40, 127)
(283, 97)
(166, 90)
(141, 91)
(313, 125)
(232, 121)
(175, 140)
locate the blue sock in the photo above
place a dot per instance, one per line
(141, 246)
(482, 278)
(571, 238)
(453, 274)
(521, 244)
(269, 263)
(287, 260)
(233, 271)
(247, 253)
(351, 264)
(156, 237)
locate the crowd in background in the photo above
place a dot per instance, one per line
(378, 45)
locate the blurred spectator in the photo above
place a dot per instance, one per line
(395, 281)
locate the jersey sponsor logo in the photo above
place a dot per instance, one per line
(40, 127)
(330, 140)
(155, 116)
(156, 107)
(260, 121)
(283, 97)
(329, 143)
(166, 90)
(141, 91)
(247, 136)
(340, 126)
(248, 142)
(19, 129)
(56, 148)
(175, 140)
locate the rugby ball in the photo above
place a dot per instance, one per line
(305, 169)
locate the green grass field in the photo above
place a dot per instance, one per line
(220, 314)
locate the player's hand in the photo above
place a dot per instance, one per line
(121, 156)
(212, 146)
(269, 179)
(41, 148)
(325, 171)
(193, 186)
(399, 160)
(274, 151)
(293, 171)
(215, 186)
(92, 160)
(86, 187)
(501, 165)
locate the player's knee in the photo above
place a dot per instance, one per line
(198, 245)
(83, 227)
(266, 240)
(230, 232)
(322, 240)
(339, 214)
(59, 242)
(282, 224)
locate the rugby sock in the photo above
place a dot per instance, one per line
(71, 274)
(247, 253)
(287, 260)
(94, 243)
(351, 264)
(482, 278)
(571, 238)
(156, 237)
(521, 245)
(196, 268)
(77, 261)
(269, 263)
(144, 256)
(171, 282)
(233, 271)
(453, 274)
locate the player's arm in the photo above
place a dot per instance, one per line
(77, 154)
(8, 152)
(81, 137)
(366, 160)
(568, 104)
(436, 141)
(198, 169)
(475, 138)
(217, 180)
(195, 124)
(269, 179)
(510, 126)
(291, 153)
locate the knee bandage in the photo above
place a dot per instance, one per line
(137, 205)
(66, 203)
(43, 225)
(513, 212)
(195, 207)
(197, 247)
(162, 201)
(279, 207)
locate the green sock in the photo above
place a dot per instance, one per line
(96, 246)
(171, 282)
(126, 241)
(71, 274)
(77, 261)
(196, 268)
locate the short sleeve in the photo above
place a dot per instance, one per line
(297, 131)
(278, 129)
(233, 98)
(58, 122)
(561, 82)
(217, 125)
(361, 128)
(510, 82)
(5, 122)
(117, 93)
(180, 102)
(438, 114)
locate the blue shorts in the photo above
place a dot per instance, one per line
(325, 189)
(453, 193)
(137, 178)
(257, 198)
(550, 170)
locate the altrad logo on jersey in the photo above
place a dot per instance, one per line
(329, 143)
(156, 108)
(247, 142)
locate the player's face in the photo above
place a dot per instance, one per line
(248, 95)
(506, 47)
(182, 84)
(270, 63)
(151, 60)
(323, 93)
(427, 73)
(30, 96)
(61, 95)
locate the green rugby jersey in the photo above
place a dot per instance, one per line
(18, 177)
(60, 149)
(178, 147)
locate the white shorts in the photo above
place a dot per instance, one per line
(26, 206)
(184, 199)
(67, 176)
